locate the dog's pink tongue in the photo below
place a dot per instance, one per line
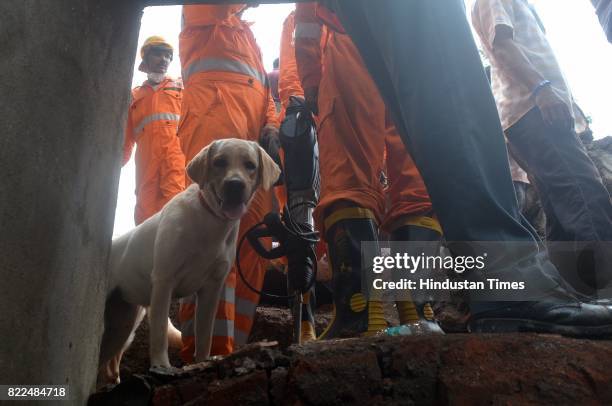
(235, 212)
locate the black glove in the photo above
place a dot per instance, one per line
(270, 142)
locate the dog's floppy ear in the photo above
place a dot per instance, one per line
(198, 167)
(269, 172)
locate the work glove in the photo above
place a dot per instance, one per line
(270, 142)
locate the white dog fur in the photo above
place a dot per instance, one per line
(187, 248)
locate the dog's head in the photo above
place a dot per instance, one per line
(232, 170)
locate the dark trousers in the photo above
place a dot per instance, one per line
(422, 56)
(576, 203)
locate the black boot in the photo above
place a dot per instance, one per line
(551, 315)
(353, 314)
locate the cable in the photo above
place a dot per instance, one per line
(300, 231)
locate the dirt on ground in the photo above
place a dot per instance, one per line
(451, 369)
(454, 369)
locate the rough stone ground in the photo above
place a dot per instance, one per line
(451, 369)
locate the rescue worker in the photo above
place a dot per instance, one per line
(289, 83)
(353, 130)
(226, 95)
(447, 117)
(152, 125)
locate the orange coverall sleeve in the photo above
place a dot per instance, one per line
(203, 15)
(308, 32)
(172, 171)
(289, 83)
(128, 141)
(271, 115)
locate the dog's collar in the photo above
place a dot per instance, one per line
(205, 204)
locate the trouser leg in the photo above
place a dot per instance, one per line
(435, 87)
(576, 203)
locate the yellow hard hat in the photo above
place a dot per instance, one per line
(154, 41)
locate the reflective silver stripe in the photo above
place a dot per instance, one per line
(155, 117)
(228, 295)
(223, 328)
(308, 30)
(223, 65)
(245, 307)
(240, 337)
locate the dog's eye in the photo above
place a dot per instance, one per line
(220, 163)
(250, 165)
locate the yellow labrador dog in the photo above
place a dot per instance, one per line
(188, 247)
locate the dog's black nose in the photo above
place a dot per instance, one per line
(233, 190)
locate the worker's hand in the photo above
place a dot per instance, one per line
(312, 99)
(554, 109)
(270, 142)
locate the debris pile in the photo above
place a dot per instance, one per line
(455, 369)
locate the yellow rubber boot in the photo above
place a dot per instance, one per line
(407, 312)
(308, 326)
(354, 315)
(419, 229)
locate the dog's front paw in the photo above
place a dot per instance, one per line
(201, 358)
(160, 359)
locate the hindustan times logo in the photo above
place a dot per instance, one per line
(412, 263)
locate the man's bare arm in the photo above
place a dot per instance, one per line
(554, 109)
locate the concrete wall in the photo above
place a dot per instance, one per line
(65, 76)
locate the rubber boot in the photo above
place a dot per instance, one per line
(354, 315)
(308, 322)
(416, 318)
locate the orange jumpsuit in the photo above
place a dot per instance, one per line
(160, 165)
(289, 80)
(226, 96)
(288, 83)
(354, 128)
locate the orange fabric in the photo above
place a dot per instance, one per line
(160, 164)
(216, 33)
(222, 104)
(329, 18)
(406, 193)
(289, 80)
(199, 16)
(288, 85)
(308, 47)
(353, 129)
